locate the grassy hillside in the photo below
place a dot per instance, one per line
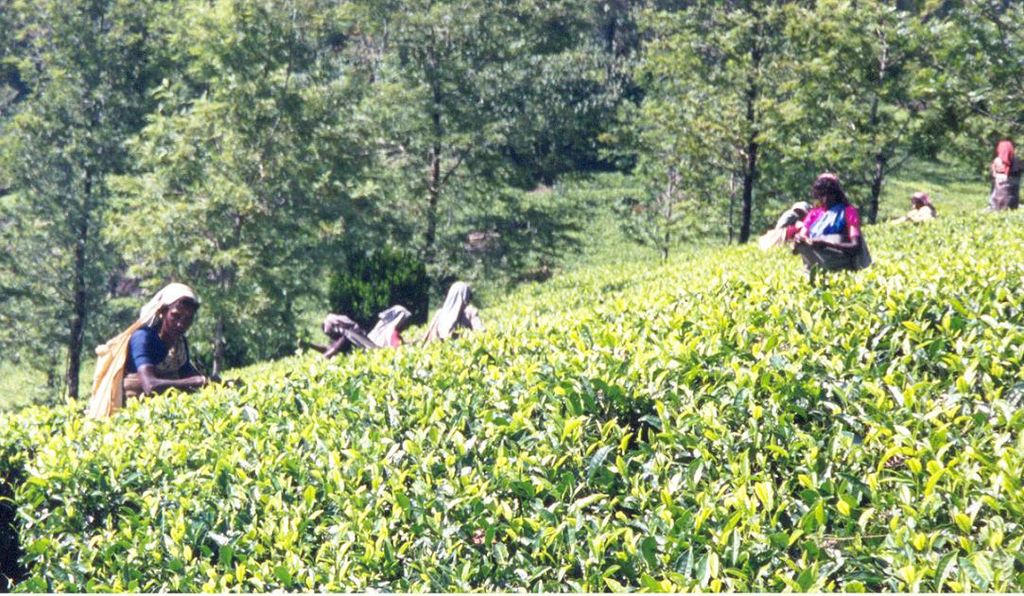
(711, 423)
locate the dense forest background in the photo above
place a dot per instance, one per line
(264, 151)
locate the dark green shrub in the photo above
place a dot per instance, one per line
(374, 281)
(11, 570)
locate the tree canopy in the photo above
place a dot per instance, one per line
(256, 150)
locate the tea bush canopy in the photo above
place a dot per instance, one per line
(712, 423)
(707, 422)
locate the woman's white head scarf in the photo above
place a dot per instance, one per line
(167, 296)
(389, 321)
(451, 311)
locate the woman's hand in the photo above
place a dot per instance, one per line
(151, 383)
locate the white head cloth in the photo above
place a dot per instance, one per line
(450, 313)
(167, 296)
(390, 320)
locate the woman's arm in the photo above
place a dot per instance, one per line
(473, 317)
(153, 384)
(336, 346)
(312, 346)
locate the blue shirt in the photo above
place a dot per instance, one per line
(146, 347)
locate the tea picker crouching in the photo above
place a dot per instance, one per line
(151, 356)
(455, 314)
(346, 333)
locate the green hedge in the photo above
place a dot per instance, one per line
(374, 281)
(713, 423)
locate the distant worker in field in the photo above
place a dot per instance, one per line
(390, 323)
(346, 333)
(151, 356)
(921, 209)
(790, 217)
(455, 314)
(830, 235)
(1006, 170)
(793, 215)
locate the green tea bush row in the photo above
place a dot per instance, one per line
(711, 424)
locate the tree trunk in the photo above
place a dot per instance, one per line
(433, 199)
(876, 178)
(876, 186)
(668, 235)
(218, 347)
(79, 306)
(880, 159)
(669, 202)
(750, 168)
(434, 182)
(732, 207)
(749, 174)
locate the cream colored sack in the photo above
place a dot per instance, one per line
(107, 389)
(772, 238)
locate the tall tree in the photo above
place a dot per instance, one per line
(679, 169)
(439, 81)
(715, 65)
(863, 92)
(85, 66)
(977, 68)
(243, 171)
(474, 97)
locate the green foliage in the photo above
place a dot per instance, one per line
(84, 67)
(17, 446)
(857, 88)
(979, 78)
(473, 100)
(598, 201)
(713, 423)
(732, 56)
(241, 146)
(370, 282)
(861, 98)
(241, 188)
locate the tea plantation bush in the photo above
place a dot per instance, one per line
(713, 424)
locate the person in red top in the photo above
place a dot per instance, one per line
(1006, 171)
(830, 236)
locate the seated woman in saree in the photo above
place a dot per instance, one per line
(921, 209)
(454, 315)
(158, 356)
(1006, 171)
(830, 236)
(150, 356)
